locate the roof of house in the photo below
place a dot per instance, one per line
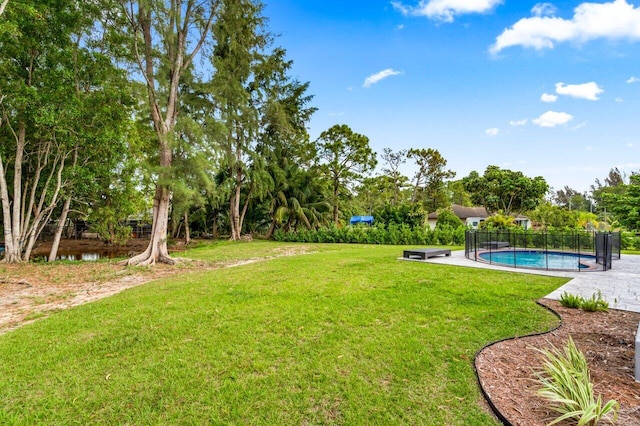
(464, 212)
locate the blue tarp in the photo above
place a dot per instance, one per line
(361, 219)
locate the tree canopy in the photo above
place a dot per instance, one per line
(505, 191)
(625, 206)
(184, 114)
(346, 157)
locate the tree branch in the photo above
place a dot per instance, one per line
(3, 6)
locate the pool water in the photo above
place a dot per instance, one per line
(538, 259)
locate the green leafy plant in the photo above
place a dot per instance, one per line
(566, 384)
(569, 300)
(595, 303)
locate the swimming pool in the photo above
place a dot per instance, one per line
(539, 259)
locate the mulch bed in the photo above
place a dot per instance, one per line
(506, 369)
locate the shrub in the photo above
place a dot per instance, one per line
(595, 303)
(448, 218)
(566, 384)
(571, 300)
(394, 234)
(629, 241)
(409, 214)
(499, 221)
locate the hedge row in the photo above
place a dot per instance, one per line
(629, 241)
(394, 234)
(391, 234)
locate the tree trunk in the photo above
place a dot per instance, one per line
(10, 254)
(43, 210)
(245, 208)
(416, 188)
(214, 226)
(187, 231)
(271, 230)
(234, 208)
(234, 215)
(176, 37)
(53, 253)
(157, 249)
(11, 216)
(335, 201)
(175, 225)
(3, 5)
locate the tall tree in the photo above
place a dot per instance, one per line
(548, 215)
(614, 183)
(60, 113)
(373, 193)
(391, 169)
(247, 85)
(165, 37)
(572, 199)
(625, 204)
(457, 193)
(195, 161)
(346, 157)
(295, 194)
(505, 191)
(429, 180)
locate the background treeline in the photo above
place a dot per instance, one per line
(184, 116)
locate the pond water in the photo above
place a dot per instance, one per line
(88, 256)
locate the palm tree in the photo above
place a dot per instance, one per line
(297, 200)
(499, 221)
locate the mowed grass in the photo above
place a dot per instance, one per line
(345, 335)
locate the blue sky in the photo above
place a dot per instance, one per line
(550, 89)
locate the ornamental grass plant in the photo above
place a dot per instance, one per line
(566, 385)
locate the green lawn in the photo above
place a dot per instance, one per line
(345, 335)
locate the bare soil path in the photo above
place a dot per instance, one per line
(32, 291)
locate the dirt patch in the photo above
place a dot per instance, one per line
(606, 338)
(32, 291)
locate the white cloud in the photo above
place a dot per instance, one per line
(519, 122)
(373, 79)
(546, 97)
(588, 91)
(633, 80)
(553, 119)
(614, 20)
(445, 10)
(492, 132)
(619, 100)
(543, 9)
(405, 10)
(630, 145)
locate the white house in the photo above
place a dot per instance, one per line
(473, 216)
